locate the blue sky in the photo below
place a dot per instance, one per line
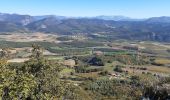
(130, 8)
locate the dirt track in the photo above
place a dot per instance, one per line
(18, 60)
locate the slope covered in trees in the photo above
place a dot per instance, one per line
(154, 29)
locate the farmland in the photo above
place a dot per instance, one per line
(85, 62)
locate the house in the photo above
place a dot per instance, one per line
(98, 53)
(69, 62)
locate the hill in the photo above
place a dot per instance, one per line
(152, 29)
(163, 19)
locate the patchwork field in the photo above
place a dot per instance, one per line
(85, 61)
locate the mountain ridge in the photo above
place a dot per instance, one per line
(154, 29)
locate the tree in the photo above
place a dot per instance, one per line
(4, 53)
(37, 52)
(73, 92)
(96, 61)
(14, 84)
(112, 89)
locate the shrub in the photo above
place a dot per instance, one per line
(104, 73)
(96, 61)
(118, 69)
(143, 68)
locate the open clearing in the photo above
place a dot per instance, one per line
(18, 60)
(29, 37)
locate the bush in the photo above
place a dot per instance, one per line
(118, 69)
(143, 68)
(109, 61)
(71, 73)
(104, 73)
(96, 61)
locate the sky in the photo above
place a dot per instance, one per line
(88, 8)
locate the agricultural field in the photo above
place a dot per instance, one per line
(85, 62)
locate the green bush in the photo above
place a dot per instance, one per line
(118, 68)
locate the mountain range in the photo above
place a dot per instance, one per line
(119, 27)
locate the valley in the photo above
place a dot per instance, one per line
(61, 46)
(53, 58)
(118, 59)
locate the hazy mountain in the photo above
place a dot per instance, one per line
(16, 18)
(117, 18)
(156, 29)
(163, 19)
(11, 27)
(48, 24)
(47, 16)
(139, 30)
(69, 26)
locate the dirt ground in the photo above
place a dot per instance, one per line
(18, 60)
(158, 70)
(29, 37)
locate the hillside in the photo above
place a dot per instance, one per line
(152, 29)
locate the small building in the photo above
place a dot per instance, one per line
(13, 51)
(70, 63)
(98, 53)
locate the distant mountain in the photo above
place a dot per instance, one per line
(117, 18)
(48, 24)
(47, 16)
(11, 27)
(163, 19)
(17, 19)
(112, 27)
(69, 26)
(132, 30)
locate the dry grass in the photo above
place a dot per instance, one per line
(86, 75)
(29, 37)
(18, 60)
(152, 69)
(162, 61)
(159, 69)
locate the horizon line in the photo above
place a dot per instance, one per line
(84, 16)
